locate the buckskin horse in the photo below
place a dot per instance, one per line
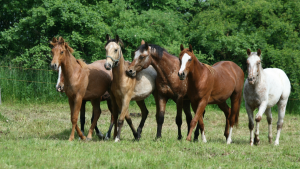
(212, 85)
(105, 97)
(263, 89)
(81, 82)
(168, 84)
(124, 88)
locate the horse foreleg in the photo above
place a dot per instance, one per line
(98, 132)
(225, 108)
(261, 110)
(200, 107)
(145, 112)
(75, 107)
(188, 115)
(97, 112)
(281, 113)
(251, 122)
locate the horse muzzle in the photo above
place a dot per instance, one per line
(131, 73)
(54, 66)
(251, 80)
(107, 66)
(60, 88)
(181, 75)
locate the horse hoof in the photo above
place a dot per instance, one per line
(196, 140)
(256, 141)
(276, 143)
(229, 141)
(100, 136)
(117, 140)
(188, 139)
(88, 139)
(179, 137)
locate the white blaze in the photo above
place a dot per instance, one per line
(184, 60)
(59, 73)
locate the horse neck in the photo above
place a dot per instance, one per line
(69, 67)
(164, 65)
(196, 72)
(119, 71)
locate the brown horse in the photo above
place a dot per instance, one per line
(105, 97)
(82, 82)
(124, 88)
(212, 85)
(168, 84)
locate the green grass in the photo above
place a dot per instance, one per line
(36, 136)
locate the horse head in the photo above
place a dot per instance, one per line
(113, 52)
(187, 59)
(141, 59)
(59, 51)
(253, 65)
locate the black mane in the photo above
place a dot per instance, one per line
(159, 50)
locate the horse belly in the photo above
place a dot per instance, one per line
(145, 85)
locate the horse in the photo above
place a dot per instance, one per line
(212, 85)
(263, 89)
(81, 82)
(124, 88)
(105, 97)
(167, 82)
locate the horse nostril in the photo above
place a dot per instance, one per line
(130, 71)
(182, 73)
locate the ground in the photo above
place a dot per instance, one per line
(36, 136)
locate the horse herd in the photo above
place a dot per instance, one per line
(186, 81)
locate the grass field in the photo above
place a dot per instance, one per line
(36, 136)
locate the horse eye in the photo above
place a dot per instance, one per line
(142, 57)
(61, 52)
(190, 60)
(258, 63)
(116, 50)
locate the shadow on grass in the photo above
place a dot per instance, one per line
(238, 141)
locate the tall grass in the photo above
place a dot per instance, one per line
(28, 85)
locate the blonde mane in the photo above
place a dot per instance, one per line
(211, 69)
(81, 63)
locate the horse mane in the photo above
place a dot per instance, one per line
(211, 69)
(63, 43)
(81, 63)
(114, 40)
(154, 48)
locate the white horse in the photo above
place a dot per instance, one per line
(263, 89)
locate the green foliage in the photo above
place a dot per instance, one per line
(217, 29)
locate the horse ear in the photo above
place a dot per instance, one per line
(181, 47)
(117, 38)
(54, 40)
(143, 42)
(61, 40)
(248, 52)
(107, 37)
(146, 45)
(258, 52)
(190, 48)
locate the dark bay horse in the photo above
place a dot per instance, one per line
(105, 97)
(82, 82)
(167, 82)
(212, 85)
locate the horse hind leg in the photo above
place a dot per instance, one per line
(97, 112)
(98, 132)
(108, 133)
(82, 116)
(225, 108)
(281, 113)
(269, 119)
(145, 113)
(188, 115)
(178, 120)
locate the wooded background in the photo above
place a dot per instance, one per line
(217, 29)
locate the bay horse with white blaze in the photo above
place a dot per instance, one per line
(81, 82)
(124, 88)
(168, 84)
(212, 85)
(263, 89)
(105, 97)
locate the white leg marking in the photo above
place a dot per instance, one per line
(203, 137)
(229, 136)
(251, 137)
(277, 137)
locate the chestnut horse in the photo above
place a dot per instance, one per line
(124, 88)
(168, 84)
(106, 96)
(81, 82)
(212, 85)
